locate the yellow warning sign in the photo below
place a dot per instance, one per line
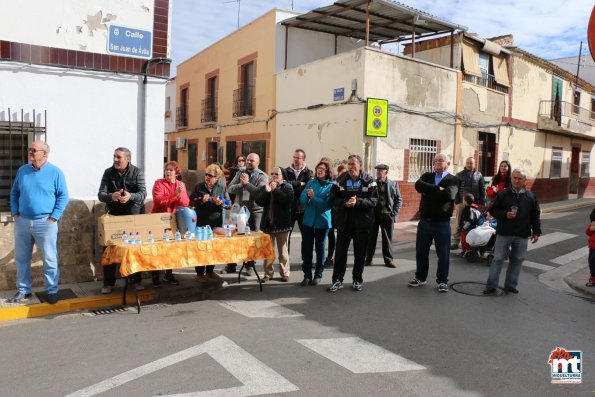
(377, 117)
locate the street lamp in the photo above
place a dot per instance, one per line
(143, 139)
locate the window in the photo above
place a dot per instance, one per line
(209, 104)
(593, 107)
(585, 163)
(576, 101)
(182, 111)
(484, 64)
(243, 97)
(167, 104)
(556, 166)
(173, 152)
(192, 163)
(258, 147)
(421, 157)
(230, 152)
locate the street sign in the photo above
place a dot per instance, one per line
(338, 94)
(130, 42)
(591, 34)
(377, 117)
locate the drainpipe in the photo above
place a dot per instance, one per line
(142, 157)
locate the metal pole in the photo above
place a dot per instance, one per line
(578, 64)
(368, 23)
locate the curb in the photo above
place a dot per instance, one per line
(582, 289)
(568, 206)
(70, 305)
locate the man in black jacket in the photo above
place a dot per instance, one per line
(123, 191)
(517, 211)
(353, 198)
(438, 190)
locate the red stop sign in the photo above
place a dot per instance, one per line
(591, 34)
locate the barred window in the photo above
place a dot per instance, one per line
(421, 157)
(585, 163)
(556, 164)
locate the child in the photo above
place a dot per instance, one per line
(469, 219)
(591, 233)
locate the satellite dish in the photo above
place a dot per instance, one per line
(591, 34)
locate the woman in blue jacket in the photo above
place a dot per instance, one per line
(317, 221)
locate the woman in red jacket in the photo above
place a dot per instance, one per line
(168, 194)
(501, 180)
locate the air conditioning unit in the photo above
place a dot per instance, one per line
(181, 143)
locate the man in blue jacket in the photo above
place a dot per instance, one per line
(38, 198)
(386, 212)
(438, 191)
(353, 197)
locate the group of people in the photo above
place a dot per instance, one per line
(350, 201)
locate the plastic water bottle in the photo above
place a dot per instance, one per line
(131, 239)
(188, 235)
(226, 213)
(124, 237)
(178, 236)
(138, 239)
(150, 238)
(209, 233)
(166, 238)
(227, 231)
(247, 231)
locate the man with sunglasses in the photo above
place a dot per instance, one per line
(244, 185)
(38, 198)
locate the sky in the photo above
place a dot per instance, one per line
(549, 29)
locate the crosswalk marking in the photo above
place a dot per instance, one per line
(257, 378)
(555, 215)
(259, 309)
(571, 256)
(549, 239)
(539, 266)
(359, 356)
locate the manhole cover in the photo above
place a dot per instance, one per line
(474, 288)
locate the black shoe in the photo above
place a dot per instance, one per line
(156, 282)
(368, 263)
(171, 279)
(489, 291)
(511, 289)
(305, 282)
(329, 262)
(316, 281)
(52, 299)
(19, 297)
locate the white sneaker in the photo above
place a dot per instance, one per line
(106, 289)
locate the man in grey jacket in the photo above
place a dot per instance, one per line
(470, 181)
(386, 212)
(244, 185)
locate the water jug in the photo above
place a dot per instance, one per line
(186, 219)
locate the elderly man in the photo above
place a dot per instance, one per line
(37, 200)
(438, 190)
(244, 185)
(470, 181)
(517, 212)
(123, 191)
(386, 212)
(353, 197)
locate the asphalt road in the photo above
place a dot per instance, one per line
(388, 340)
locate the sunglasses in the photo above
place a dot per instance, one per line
(211, 176)
(275, 173)
(33, 150)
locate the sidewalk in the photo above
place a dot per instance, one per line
(86, 296)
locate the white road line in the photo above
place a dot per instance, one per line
(548, 239)
(256, 377)
(539, 266)
(571, 256)
(359, 356)
(555, 215)
(259, 309)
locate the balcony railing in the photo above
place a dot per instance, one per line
(243, 101)
(181, 117)
(564, 113)
(487, 80)
(208, 110)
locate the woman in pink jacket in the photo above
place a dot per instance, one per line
(168, 194)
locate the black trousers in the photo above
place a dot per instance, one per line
(109, 276)
(360, 243)
(386, 225)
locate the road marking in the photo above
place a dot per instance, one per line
(548, 239)
(571, 256)
(359, 356)
(555, 215)
(259, 309)
(256, 377)
(539, 266)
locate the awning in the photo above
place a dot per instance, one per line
(389, 21)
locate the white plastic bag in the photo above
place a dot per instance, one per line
(481, 235)
(242, 220)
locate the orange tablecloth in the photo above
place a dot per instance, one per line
(173, 255)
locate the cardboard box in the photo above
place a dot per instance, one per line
(110, 227)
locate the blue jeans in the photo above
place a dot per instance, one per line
(439, 233)
(45, 235)
(313, 238)
(518, 251)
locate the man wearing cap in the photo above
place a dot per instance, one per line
(385, 216)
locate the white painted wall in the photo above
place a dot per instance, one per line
(89, 114)
(72, 24)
